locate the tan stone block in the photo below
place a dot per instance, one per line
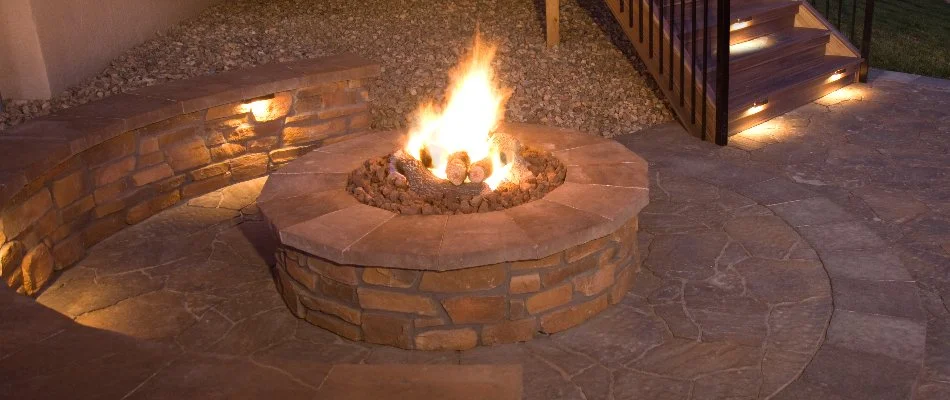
(337, 291)
(226, 110)
(546, 262)
(525, 283)
(447, 339)
(79, 208)
(346, 313)
(20, 216)
(110, 150)
(344, 97)
(517, 309)
(309, 131)
(464, 280)
(341, 273)
(227, 151)
(289, 293)
(150, 207)
(376, 299)
(68, 251)
(549, 299)
(302, 275)
(68, 189)
(334, 324)
(521, 330)
(596, 282)
(206, 186)
(249, 166)
(170, 183)
(387, 329)
(178, 135)
(263, 144)
(287, 154)
(210, 171)
(111, 192)
(316, 90)
(37, 268)
(625, 280)
(425, 322)
(102, 228)
(148, 145)
(335, 112)
(475, 309)
(150, 159)
(572, 316)
(359, 122)
(43, 227)
(152, 174)
(583, 250)
(11, 254)
(561, 274)
(187, 155)
(391, 277)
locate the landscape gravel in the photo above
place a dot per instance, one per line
(591, 82)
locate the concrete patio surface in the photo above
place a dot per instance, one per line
(810, 259)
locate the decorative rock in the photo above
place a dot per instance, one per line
(37, 268)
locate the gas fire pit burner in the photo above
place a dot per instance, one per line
(454, 281)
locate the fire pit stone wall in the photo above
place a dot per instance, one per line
(452, 282)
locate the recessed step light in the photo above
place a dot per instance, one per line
(838, 74)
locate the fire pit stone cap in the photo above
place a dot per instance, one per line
(308, 206)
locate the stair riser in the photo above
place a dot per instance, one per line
(757, 29)
(784, 101)
(788, 65)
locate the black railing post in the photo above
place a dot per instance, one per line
(866, 41)
(722, 73)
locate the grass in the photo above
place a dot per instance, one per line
(910, 36)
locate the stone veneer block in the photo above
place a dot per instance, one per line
(451, 282)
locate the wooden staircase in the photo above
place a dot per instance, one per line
(782, 55)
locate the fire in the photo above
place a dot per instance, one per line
(474, 107)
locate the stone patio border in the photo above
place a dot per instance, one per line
(69, 180)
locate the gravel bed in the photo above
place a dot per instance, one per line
(592, 82)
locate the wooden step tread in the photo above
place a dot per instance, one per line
(744, 90)
(756, 12)
(782, 43)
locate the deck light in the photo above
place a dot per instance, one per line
(739, 24)
(837, 75)
(757, 106)
(259, 106)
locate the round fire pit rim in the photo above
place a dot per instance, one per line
(308, 206)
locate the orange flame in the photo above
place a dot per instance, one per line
(474, 107)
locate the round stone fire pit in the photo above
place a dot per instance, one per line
(441, 282)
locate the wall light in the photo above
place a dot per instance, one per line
(757, 106)
(259, 106)
(837, 75)
(739, 24)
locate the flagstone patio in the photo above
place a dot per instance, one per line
(809, 259)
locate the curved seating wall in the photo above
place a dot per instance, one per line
(72, 179)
